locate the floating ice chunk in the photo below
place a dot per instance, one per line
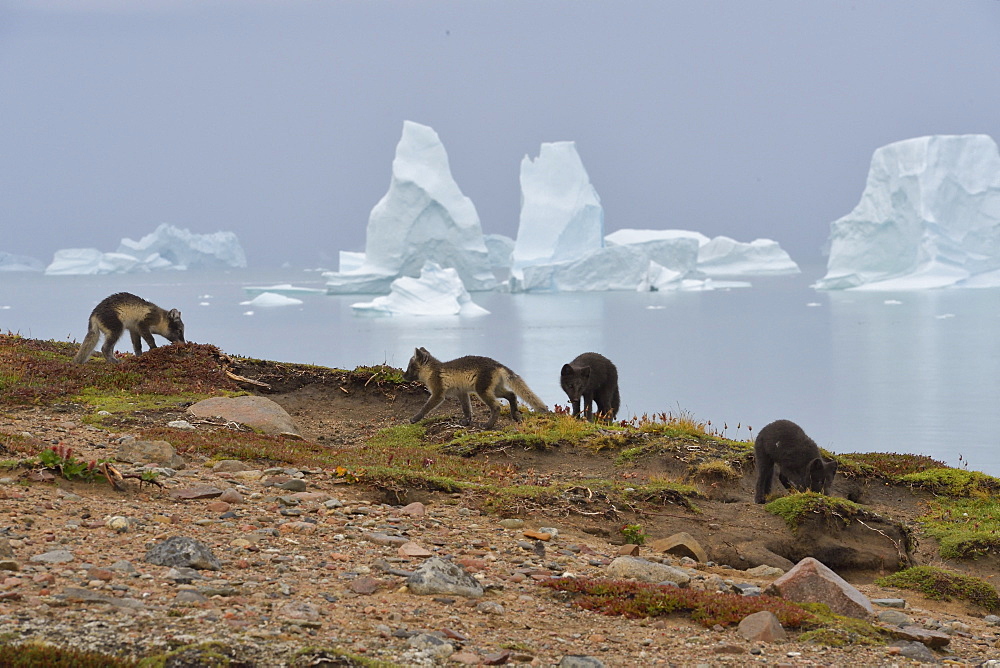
(723, 256)
(929, 217)
(659, 278)
(90, 261)
(167, 247)
(609, 268)
(283, 289)
(11, 262)
(676, 250)
(438, 291)
(892, 302)
(271, 299)
(183, 249)
(423, 216)
(561, 214)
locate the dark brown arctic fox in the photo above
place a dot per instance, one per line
(142, 319)
(800, 464)
(594, 378)
(461, 377)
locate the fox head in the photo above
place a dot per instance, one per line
(574, 380)
(175, 327)
(419, 360)
(821, 473)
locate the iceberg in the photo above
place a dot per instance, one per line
(423, 217)
(723, 256)
(438, 291)
(183, 249)
(561, 214)
(167, 247)
(286, 289)
(929, 217)
(11, 262)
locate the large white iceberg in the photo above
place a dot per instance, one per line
(167, 247)
(423, 217)
(11, 262)
(929, 217)
(561, 215)
(438, 291)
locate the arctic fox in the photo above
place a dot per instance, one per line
(594, 378)
(461, 377)
(800, 464)
(141, 318)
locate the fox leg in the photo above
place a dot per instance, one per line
(111, 336)
(433, 402)
(146, 335)
(490, 400)
(765, 471)
(511, 398)
(466, 408)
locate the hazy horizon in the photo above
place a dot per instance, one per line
(279, 120)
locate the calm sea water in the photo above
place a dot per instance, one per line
(897, 372)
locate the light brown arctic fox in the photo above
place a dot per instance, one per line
(461, 377)
(142, 319)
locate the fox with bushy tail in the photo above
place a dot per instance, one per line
(461, 377)
(141, 318)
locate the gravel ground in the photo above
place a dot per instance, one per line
(325, 568)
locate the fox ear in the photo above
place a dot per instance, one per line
(567, 370)
(421, 353)
(585, 372)
(174, 314)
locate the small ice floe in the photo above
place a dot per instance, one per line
(271, 299)
(892, 302)
(204, 303)
(813, 304)
(655, 308)
(247, 312)
(944, 316)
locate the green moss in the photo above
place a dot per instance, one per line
(716, 469)
(964, 528)
(661, 492)
(203, 655)
(327, 656)
(794, 507)
(827, 628)
(944, 585)
(953, 482)
(381, 374)
(39, 655)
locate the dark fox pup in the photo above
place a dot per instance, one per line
(459, 378)
(142, 319)
(800, 464)
(594, 378)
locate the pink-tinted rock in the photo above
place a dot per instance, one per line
(219, 507)
(810, 581)
(931, 638)
(297, 527)
(537, 535)
(412, 549)
(415, 509)
(628, 550)
(258, 412)
(197, 492)
(762, 626)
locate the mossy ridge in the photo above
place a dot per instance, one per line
(964, 528)
(797, 505)
(884, 465)
(943, 585)
(536, 431)
(661, 492)
(638, 600)
(41, 655)
(42, 372)
(956, 483)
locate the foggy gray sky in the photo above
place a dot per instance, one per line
(279, 120)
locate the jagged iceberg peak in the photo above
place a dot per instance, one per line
(184, 249)
(561, 215)
(423, 217)
(929, 217)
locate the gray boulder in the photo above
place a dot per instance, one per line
(257, 412)
(183, 552)
(810, 581)
(632, 568)
(437, 576)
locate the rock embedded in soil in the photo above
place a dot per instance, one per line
(257, 412)
(632, 568)
(680, 544)
(761, 626)
(181, 551)
(437, 576)
(811, 581)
